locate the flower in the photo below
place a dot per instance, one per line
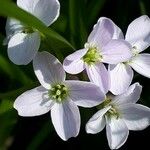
(138, 35)
(99, 49)
(58, 95)
(24, 41)
(120, 114)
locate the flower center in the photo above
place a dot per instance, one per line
(28, 30)
(58, 93)
(135, 53)
(113, 111)
(92, 56)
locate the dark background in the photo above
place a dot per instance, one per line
(37, 133)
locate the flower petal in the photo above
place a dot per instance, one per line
(138, 33)
(102, 32)
(27, 5)
(136, 116)
(141, 64)
(47, 11)
(48, 69)
(121, 76)
(73, 63)
(85, 94)
(98, 74)
(66, 119)
(116, 51)
(22, 47)
(97, 122)
(132, 95)
(117, 132)
(34, 102)
(12, 27)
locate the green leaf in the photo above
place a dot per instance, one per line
(10, 9)
(77, 25)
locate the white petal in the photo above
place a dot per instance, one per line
(141, 64)
(121, 76)
(47, 11)
(66, 119)
(136, 116)
(27, 5)
(97, 122)
(22, 47)
(34, 102)
(138, 33)
(118, 34)
(85, 94)
(117, 132)
(12, 27)
(48, 69)
(98, 74)
(73, 63)
(116, 51)
(102, 32)
(132, 95)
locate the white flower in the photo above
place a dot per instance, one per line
(99, 49)
(120, 114)
(23, 41)
(58, 95)
(138, 35)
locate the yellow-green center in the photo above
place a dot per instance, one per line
(58, 93)
(92, 56)
(113, 111)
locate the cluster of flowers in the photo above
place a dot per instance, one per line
(107, 57)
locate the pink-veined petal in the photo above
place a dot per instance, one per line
(121, 76)
(34, 102)
(117, 132)
(66, 119)
(131, 95)
(85, 94)
(97, 122)
(138, 33)
(98, 74)
(141, 64)
(136, 116)
(48, 69)
(102, 32)
(116, 51)
(73, 63)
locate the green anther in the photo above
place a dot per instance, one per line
(135, 53)
(105, 103)
(58, 93)
(92, 56)
(113, 112)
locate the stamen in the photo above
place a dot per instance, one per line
(92, 56)
(58, 93)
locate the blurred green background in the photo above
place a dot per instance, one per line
(74, 24)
